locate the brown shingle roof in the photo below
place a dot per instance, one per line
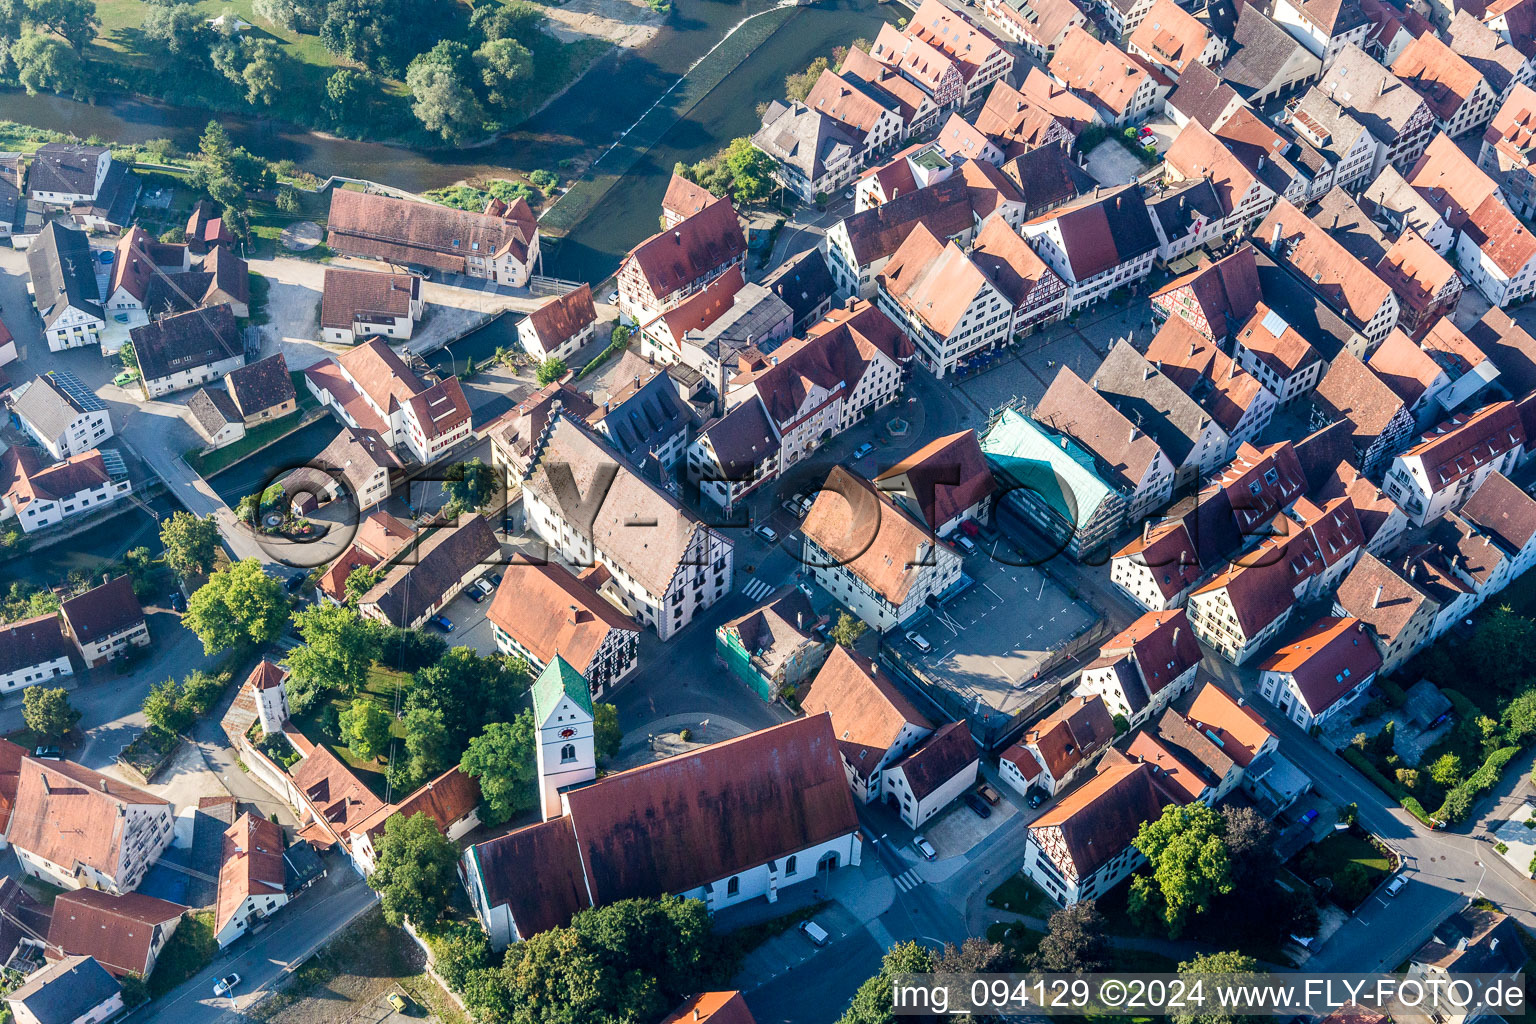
(338, 796)
(1437, 73)
(713, 1008)
(1351, 391)
(946, 476)
(251, 865)
(1450, 181)
(1339, 277)
(548, 611)
(348, 296)
(943, 208)
(1236, 724)
(446, 799)
(1186, 758)
(69, 815)
(562, 318)
(706, 241)
(28, 642)
(868, 533)
(1226, 291)
(186, 341)
(1377, 595)
(1503, 510)
(406, 231)
(536, 872)
(1070, 406)
(1204, 372)
(1327, 660)
(868, 712)
(1099, 69)
(118, 931)
(940, 758)
(684, 198)
(1100, 818)
(103, 611)
(441, 560)
(1071, 734)
(1171, 35)
(1402, 366)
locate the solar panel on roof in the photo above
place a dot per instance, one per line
(1274, 323)
(83, 397)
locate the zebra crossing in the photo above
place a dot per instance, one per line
(756, 589)
(908, 880)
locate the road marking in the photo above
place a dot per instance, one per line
(756, 589)
(908, 880)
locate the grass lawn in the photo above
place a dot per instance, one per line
(44, 892)
(359, 966)
(1342, 848)
(379, 688)
(256, 438)
(1022, 896)
(191, 948)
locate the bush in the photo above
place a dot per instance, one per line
(1396, 694)
(1370, 771)
(1463, 708)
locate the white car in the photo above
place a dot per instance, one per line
(1396, 885)
(484, 586)
(613, 298)
(766, 532)
(924, 847)
(226, 985)
(919, 641)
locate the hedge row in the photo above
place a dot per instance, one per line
(1396, 694)
(1464, 708)
(1458, 802)
(1388, 786)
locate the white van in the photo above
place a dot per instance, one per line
(815, 932)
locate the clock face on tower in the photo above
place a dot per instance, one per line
(566, 734)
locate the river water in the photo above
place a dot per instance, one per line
(595, 112)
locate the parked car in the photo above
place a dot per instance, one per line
(125, 378)
(397, 1001)
(293, 583)
(862, 450)
(1035, 798)
(848, 195)
(178, 602)
(805, 501)
(924, 847)
(805, 588)
(496, 578)
(226, 985)
(483, 585)
(919, 641)
(766, 532)
(442, 622)
(1396, 885)
(48, 754)
(792, 508)
(965, 543)
(613, 298)
(815, 932)
(978, 805)
(989, 794)
(1308, 818)
(474, 594)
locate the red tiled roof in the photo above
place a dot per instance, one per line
(1071, 734)
(946, 476)
(548, 611)
(705, 242)
(562, 318)
(69, 815)
(1236, 724)
(868, 712)
(713, 1008)
(251, 865)
(1330, 658)
(103, 611)
(119, 931)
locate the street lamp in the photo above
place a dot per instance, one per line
(1478, 891)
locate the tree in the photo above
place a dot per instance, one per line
(359, 581)
(1446, 771)
(551, 370)
(426, 743)
(518, 20)
(470, 485)
(974, 956)
(226, 172)
(346, 95)
(1250, 840)
(415, 871)
(606, 734)
(190, 543)
(338, 648)
(798, 87)
(287, 199)
(74, 21)
(871, 1004)
(502, 758)
(1503, 648)
(459, 949)
(365, 729)
(1190, 864)
(470, 691)
(263, 72)
(504, 64)
(44, 64)
(848, 630)
(359, 31)
(47, 712)
(199, 690)
(238, 605)
(297, 15)
(178, 29)
(1519, 717)
(444, 102)
(165, 709)
(751, 171)
(1216, 963)
(1074, 941)
(144, 568)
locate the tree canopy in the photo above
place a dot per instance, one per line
(1188, 853)
(470, 691)
(191, 543)
(470, 486)
(503, 759)
(872, 1002)
(415, 871)
(338, 649)
(46, 710)
(238, 605)
(365, 729)
(1074, 941)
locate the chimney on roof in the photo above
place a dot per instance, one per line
(1146, 530)
(1135, 433)
(853, 300)
(1381, 89)
(677, 235)
(697, 1014)
(44, 777)
(1274, 238)
(1261, 162)
(1376, 601)
(103, 784)
(1176, 636)
(572, 619)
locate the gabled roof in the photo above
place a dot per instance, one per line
(1520, 17)
(1500, 236)
(60, 264)
(1276, 343)
(868, 713)
(852, 101)
(1498, 336)
(804, 139)
(1259, 587)
(118, 931)
(70, 815)
(1072, 407)
(251, 865)
(1437, 73)
(969, 45)
(103, 611)
(1064, 474)
(1375, 96)
(1204, 372)
(1230, 722)
(1226, 291)
(685, 198)
(713, 1008)
(1160, 646)
(1098, 69)
(1187, 760)
(1197, 154)
(264, 384)
(1414, 271)
(1046, 178)
(1071, 734)
(1347, 284)
(1450, 181)
(1204, 96)
(777, 630)
(1503, 510)
(64, 167)
(349, 296)
(1101, 232)
(1330, 658)
(186, 341)
(338, 796)
(1261, 50)
(944, 477)
(442, 559)
(66, 991)
(409, 231)
(1347, 224)
(933, 281)
(1458, 446)
(1141, 392)
(548, 611)
(447, 800)
(693, 248)
(943, 207)
(840, 521)
(939, 758)
(1364, 396)
(1171, 35)
(1101, 817)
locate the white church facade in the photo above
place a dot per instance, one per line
(724, 824)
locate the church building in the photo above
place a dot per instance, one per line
(724, 824)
